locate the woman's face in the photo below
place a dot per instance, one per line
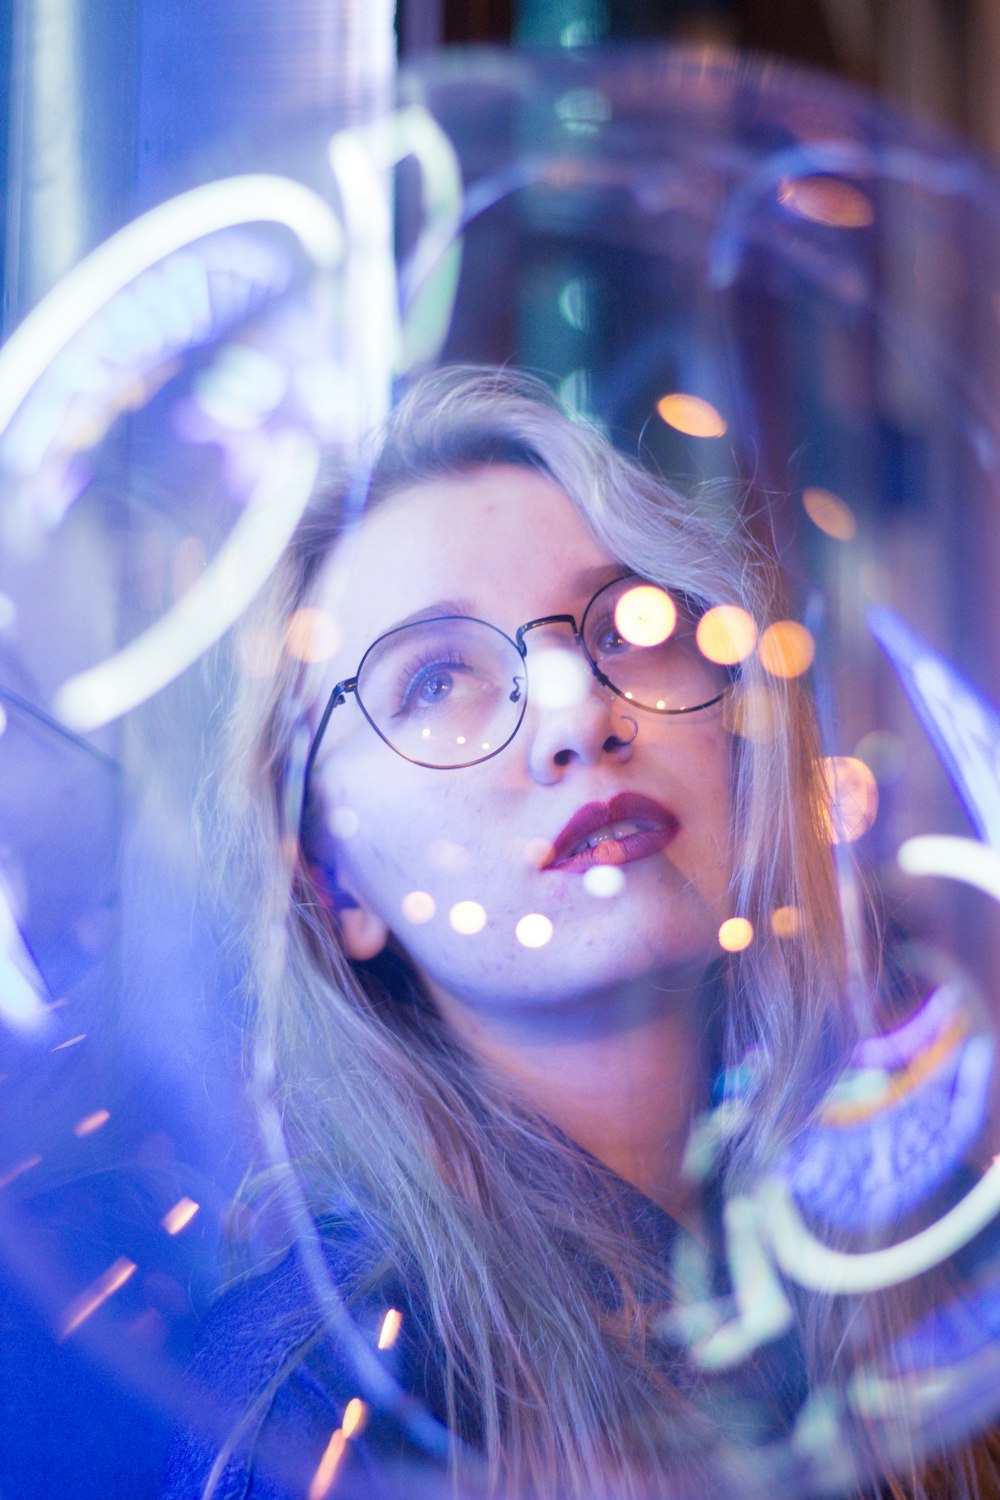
(505, 544)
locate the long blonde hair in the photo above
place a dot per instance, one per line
(502, 1219)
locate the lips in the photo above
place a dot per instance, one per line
(627, 828)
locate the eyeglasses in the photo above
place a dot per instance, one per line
(451, 692)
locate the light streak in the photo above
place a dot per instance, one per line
(211, 605)
(360, 158)
(574, 394)
(326, 1472)
(432, 274)
(816, 1266)
(23, 998)
(575, 301)
(389, 1332)
(91, 1122)
(878, 1090)
(81, 1308)
(355, 1417)
(69, 1042)
(218, 597)
(955, 858)
(83, 291)
(763, 1310)
(180, 1216)
(962, 724)
(18, 1170)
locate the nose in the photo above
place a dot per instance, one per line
(595, 725)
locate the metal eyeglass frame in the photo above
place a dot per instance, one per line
(350, 684)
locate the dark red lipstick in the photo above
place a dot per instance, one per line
(627, 828)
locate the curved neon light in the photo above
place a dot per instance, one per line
(805, 1259)
(257, 198)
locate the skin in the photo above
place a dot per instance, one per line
(602, 1028)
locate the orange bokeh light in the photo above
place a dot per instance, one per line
(853, 797)
(786, 921)
(692, 415)
(311, 635)
(91, 1122)
(389, 1332)
(645, 615)
(180, 1216)
(831, 514)
(726, 634)
(735, 934)
(828, 200)
(786, 649)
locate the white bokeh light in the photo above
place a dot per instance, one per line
(559, 678)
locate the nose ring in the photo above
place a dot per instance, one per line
(635, 730)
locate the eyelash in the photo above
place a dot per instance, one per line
(406, 685)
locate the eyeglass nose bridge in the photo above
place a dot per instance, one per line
(569, 620)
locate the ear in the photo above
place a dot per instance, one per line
(364, 934)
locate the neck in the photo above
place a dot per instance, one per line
(623, 1074)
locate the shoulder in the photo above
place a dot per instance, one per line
(269, 1383)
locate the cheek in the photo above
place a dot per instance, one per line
(396, 830)
(702, 779)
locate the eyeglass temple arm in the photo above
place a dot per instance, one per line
(336, 698)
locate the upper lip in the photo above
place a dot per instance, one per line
(625, 807)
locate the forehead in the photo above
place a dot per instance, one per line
(499, 538)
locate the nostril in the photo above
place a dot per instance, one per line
(563, 757)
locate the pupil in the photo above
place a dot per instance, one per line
(436, 686)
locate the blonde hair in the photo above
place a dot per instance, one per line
(502, 1218)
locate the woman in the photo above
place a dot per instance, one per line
(487, 1050)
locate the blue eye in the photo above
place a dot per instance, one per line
(606, 637)
(422, 686)
(429, 687)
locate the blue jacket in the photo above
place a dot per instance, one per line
(264, 1365)
(266, 1378)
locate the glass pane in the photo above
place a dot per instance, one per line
(444, 692)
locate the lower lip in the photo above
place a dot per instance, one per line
(638, 845)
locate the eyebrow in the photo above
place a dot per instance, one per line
(587, 581)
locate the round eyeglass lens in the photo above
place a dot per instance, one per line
(642, 640)
(444, 692)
